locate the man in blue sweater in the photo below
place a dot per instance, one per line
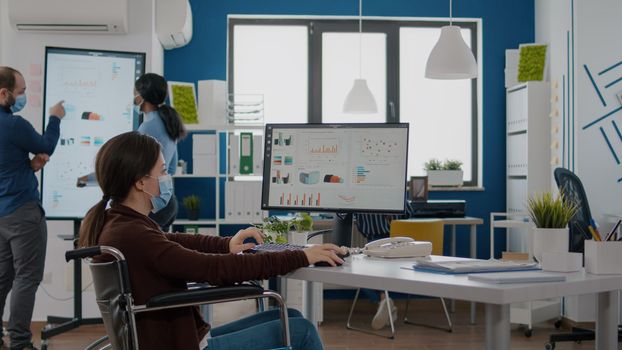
(23, 231)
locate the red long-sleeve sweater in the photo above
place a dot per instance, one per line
(163, 262)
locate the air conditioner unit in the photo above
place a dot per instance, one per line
(69, 16)
(173, 23)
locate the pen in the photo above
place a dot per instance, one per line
(613, 230)
(595, 226)
(594, 233)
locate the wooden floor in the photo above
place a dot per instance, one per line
(336, 337)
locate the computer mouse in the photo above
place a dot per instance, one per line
(325, 264)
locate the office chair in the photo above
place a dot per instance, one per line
(431, 230)
(572, 188)
(116, 304)
(424, 230)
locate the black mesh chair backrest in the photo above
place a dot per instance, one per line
(570, 185)
(111, 302)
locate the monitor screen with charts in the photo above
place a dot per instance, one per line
(341, 168)
(98, 89)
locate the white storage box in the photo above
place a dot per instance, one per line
(562, 262)
(603, 258)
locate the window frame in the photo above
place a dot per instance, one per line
(391, 27)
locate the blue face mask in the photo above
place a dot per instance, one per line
(166, 192)
(20, 103)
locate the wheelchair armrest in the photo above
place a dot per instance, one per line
(209, 294)
(82, 253)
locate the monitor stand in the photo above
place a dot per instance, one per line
(342, 230)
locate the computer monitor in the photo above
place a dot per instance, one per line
(340, 168)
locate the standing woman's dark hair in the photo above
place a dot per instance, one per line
(153, 88)
(120, 162)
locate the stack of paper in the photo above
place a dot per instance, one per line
(474, 266)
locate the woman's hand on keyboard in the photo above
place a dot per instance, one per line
(236, 244)
(324, 252)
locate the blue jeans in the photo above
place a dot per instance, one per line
(263, 331)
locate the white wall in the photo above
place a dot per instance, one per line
(585, 33)
(591, 38)
(25, 52)
(598, 47)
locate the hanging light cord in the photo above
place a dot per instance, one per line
(360, 39)
(450, 14)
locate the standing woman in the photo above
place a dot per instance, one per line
(164, 124)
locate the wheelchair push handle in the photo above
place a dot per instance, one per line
(82, 253)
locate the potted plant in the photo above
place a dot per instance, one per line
(550, 215)
(283, 231)
(275, 230)
(448, 173)
(301, 224)
(192, 203)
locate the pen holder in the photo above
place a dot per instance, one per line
(603, 258)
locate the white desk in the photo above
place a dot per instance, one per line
(363, 272)
(453, 222)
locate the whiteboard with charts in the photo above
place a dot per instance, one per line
(98, 89)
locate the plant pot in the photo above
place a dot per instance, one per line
(297, 238)
(550, 240)
(193, 214)
(445, 177)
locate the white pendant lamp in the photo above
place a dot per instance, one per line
(360, 99)
(451, 58)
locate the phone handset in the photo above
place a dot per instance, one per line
(388, 241)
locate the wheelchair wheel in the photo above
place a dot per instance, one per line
(549, 346)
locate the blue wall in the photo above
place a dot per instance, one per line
(505, 24)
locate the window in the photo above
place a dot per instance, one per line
(340, 66)
(305, 68)
(439, 111)
(272, 60)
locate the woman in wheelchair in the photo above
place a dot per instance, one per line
(132, 175)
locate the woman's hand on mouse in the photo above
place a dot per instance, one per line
(324, 252)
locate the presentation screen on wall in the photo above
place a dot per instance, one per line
(335, 167)
(98, 89)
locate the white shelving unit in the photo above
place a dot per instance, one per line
(228, 177)
(528, 167)
(527, 147)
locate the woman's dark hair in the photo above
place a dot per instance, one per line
(153, 88)
(120, 162)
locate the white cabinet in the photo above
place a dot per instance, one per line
(527, 173)
(527, 147)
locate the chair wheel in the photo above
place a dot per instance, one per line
(528, 332)
(558, 324)
(549, 346)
